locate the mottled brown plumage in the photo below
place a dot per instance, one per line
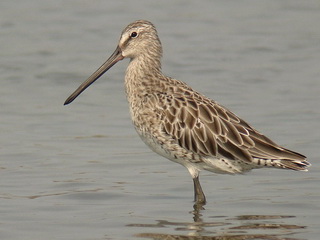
(181, 124)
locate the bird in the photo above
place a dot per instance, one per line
(180, 123)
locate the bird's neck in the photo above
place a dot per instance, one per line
(142, 74)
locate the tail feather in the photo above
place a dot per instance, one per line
(294, 164)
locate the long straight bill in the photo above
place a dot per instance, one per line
(113, 59)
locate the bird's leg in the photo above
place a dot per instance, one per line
(199, 196)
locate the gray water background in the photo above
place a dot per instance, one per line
(81, 172)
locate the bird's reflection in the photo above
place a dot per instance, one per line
(228, 228)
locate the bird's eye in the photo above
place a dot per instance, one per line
(134, 34)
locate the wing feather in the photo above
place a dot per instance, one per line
(204, 127)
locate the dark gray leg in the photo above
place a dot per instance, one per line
(199, 197)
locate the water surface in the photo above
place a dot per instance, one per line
(81, 172)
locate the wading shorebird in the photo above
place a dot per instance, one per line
(181, 124)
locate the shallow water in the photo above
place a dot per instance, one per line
(81, 172)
